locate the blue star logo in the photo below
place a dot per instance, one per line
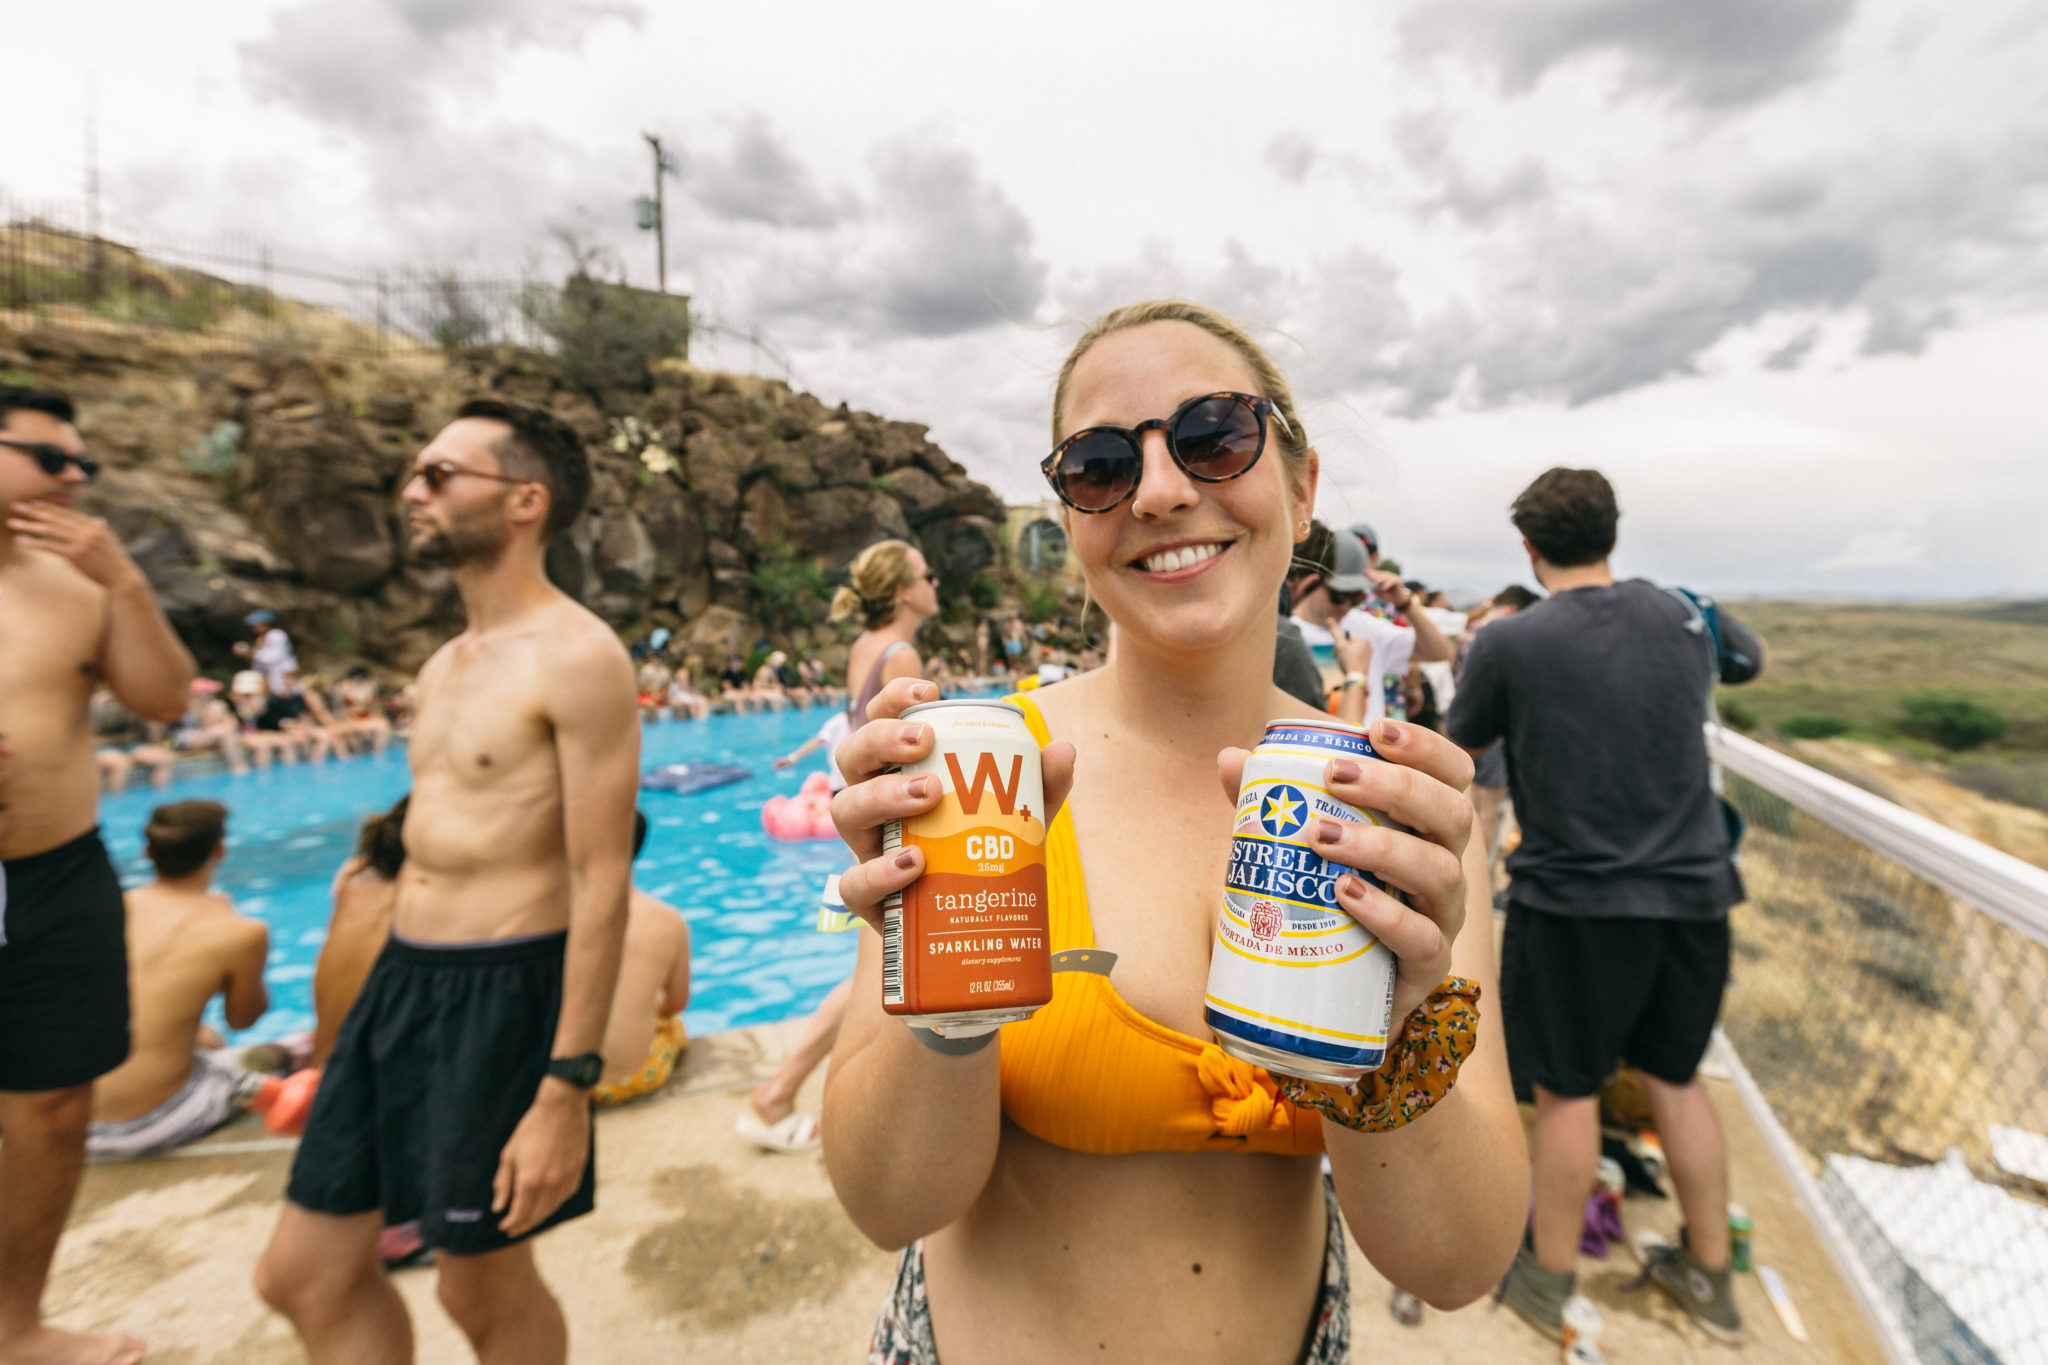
(1284, 811)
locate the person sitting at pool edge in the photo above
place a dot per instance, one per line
(641, 1045)
(364, 891)
(186, 944)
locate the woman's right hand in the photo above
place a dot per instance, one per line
(874, 795)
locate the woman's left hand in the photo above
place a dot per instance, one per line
(1422, 786)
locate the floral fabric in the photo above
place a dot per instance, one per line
(1420, 1070)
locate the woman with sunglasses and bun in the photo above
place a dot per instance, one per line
(1101, 1181)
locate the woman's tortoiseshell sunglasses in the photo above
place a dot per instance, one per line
(1214, 438)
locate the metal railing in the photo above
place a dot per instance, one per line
(1888, 1003)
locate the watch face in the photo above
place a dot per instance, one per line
(584, 1071)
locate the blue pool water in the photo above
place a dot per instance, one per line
(756, 955)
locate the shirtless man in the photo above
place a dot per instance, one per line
(186, 945)
(458, 1092)
(645, 1035)
(74, 610)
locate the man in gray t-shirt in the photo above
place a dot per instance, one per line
(1617, 934)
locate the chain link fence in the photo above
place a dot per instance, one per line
(1889, 999)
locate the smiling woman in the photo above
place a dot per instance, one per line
(1107, 1151)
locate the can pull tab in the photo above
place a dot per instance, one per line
(1084, 960)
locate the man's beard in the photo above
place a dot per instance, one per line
(475, 541)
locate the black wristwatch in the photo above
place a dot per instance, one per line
(581, 1072)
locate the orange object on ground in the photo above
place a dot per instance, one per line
(285, 1103)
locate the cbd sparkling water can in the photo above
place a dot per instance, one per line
(965, 947)
(1295, 984)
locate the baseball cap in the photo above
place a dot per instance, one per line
(1351, 566)
(1366, 534)
(260, 618)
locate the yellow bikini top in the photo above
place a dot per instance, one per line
(1089, 1073)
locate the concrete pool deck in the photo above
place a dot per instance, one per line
(705, 1248)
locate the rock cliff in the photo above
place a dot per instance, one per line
(724, 506)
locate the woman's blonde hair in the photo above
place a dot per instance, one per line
(881, 571)
(1272, 384)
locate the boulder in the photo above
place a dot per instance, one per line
(837, 455)
(764, 516)
(729, 585)
(958, 548)
(714, 633)
(895, 444)
(318, 492)
(836, 524)
(921, 496)
(937, 462)
(790, 466)
(676, 532)
(623, 553)
(390, 409)
(715, 465)
(966, 498)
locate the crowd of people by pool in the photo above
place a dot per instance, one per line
(490, 975)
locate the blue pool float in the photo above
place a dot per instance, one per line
(686, 778)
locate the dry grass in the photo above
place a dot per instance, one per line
(1879, 1016)
(1857, 662)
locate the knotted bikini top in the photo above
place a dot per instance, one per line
(1091, 1074)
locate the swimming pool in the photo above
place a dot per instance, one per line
(756, 955)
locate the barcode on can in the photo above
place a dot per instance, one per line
(892, 954)
(892, 842)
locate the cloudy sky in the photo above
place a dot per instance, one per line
(1777, 266)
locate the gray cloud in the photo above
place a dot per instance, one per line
(1794, 352)
(1424, 142)
(1291, 156)
(961, 253)
(372, 66)
(936, 249)
(759, 180)
(1711, 53)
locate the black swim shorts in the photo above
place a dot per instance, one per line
(63, 968)
(1578, 995)
(431, 1072)
(278, 710)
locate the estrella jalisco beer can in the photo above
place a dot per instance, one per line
(1296, 985)
(965, 947)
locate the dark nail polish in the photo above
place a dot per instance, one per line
(1344, 770)
(1328, 831)
(906, 860)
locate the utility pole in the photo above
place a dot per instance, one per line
(660, 227)
(97, 274)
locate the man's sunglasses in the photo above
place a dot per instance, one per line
(1213, 438)
(54, 458)
(436, 475)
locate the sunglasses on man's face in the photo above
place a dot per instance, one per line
(1214, 438)
(436, 475)
(54, 458)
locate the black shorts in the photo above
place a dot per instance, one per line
(1579, 994)
(63, 968)
(278, 710)
(432, 1070)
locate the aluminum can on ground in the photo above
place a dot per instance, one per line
(966, 947)
(1295, 984)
